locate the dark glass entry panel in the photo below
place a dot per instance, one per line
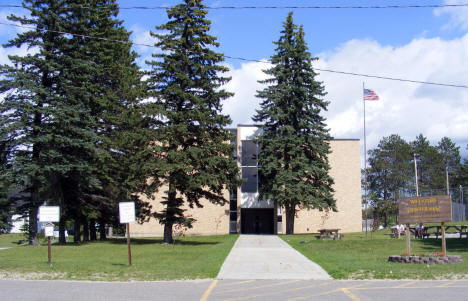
(257, 221)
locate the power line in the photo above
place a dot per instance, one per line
(248, 60)
(278, 7)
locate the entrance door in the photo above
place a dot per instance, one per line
(257, 221)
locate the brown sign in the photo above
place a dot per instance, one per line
(425, 209)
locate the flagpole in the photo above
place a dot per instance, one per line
(365, 158)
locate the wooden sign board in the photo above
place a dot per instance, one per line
(425, 209)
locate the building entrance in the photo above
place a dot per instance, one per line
(257, 221)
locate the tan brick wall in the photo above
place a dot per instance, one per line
(346, 171)
(210, 220)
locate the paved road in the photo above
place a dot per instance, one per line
(271, 290)
(268, 257)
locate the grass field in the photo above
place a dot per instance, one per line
(357, 257)
(188, 258)
(11, 240)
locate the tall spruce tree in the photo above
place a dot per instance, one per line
(294, 167)
(28, 85)
(121, 125)
(108, 72)
(192, 148)
(6, 185)
(72, 109)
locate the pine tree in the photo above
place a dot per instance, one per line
(108, 72)
(122, 126)
(192, 150)
(28, 86)
(431, 169)
(294, 168)
(389, 173)
(6, 185)
(451, 158)
(74, 109)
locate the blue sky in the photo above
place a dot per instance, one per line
(424, 44)
(249, 32)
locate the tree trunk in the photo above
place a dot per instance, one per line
(168, 234)
(62, 238)
(32, 225)
(290, 215)
(168, 223)
(77, 231)
(92, 229)
(85, 229)
(102, 230)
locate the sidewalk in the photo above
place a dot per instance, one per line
(268, 257)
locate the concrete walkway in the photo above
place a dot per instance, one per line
(268, 257)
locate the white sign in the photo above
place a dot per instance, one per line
(127, 212)
(49, 230)
(49, 213)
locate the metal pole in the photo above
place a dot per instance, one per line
(447, 176)
(416, 174)
(365, 159)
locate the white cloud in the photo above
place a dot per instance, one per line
(458, 16)
(407, 109)
(142, 36)
(5, 52)
(244, 84)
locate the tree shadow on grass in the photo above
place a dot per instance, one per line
(147, 241)
(136, 241)
(453, 244)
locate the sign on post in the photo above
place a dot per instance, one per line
(127, 216)
(127, 212)
(49, 214)
(425, 209)
(49, 230)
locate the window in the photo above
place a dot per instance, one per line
(233, 205)
(249, 153)
(250, 176)
(233, 216)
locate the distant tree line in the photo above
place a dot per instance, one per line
(391, 172)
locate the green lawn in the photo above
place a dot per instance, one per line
(357, 257)
(188, 258)
(12, 240)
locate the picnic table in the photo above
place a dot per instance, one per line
(428, 230)
(329, 233)
(459, 229)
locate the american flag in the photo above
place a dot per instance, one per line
(370, 95)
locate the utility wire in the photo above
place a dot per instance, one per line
(245, 59)
(277, 7)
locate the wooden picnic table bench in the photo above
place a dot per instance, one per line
(329, 233)
(459, 229)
